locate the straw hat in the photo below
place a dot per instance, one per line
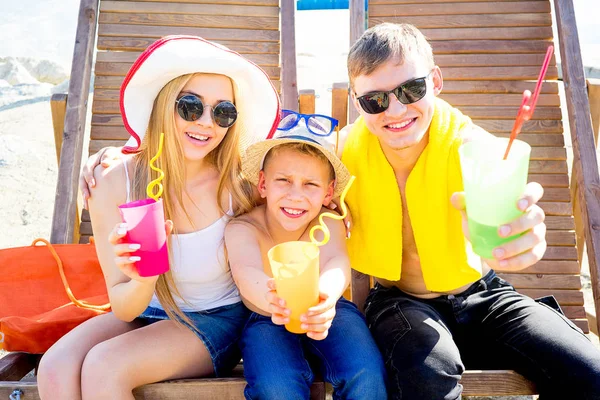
(253, 159)
(256, 99)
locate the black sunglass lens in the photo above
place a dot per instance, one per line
(413, 91)
(225, 114)
(374, 103)
(190, 108)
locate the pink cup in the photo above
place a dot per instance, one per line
(145, 221)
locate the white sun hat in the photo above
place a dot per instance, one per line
(256, 99)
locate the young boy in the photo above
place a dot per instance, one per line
(435, 306)
(298, 173)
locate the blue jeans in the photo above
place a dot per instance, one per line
(219, 329)
(428, 343)
(276, 365)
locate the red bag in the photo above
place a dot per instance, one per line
(39, 291)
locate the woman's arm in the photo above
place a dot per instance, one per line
(245, 260)
(129, 295)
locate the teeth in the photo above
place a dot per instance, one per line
(293, 211)
(198, 137)
(400, 126)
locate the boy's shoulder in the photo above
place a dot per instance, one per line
(251, 222)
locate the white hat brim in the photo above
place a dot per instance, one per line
(173, 56)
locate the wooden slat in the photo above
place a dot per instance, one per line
(467, 21)
(339, 103)
(114, 82)
(380, 2)
(535, 126)
(559, 223)
(121, 69)
(475, 99)
(107, 120)
(273, 3)
(213, 34)
(495, 383)
(557, 194)
(198, 21)
(448, 9)
(584, 149)
(307, 101)
(483, 60)
(551, 267)
(65, 205)
(206, 389)
(486, 33)
(550, 180)
(178, 8)
(549, 153)
(509, 112)
(556, 208)
(96, 145)
(539, 139)
(127, 43)
(516, 87)
(489, 46)
(58, 106)
(574, 312)
(496, 73)
(14, 366)
(563, 296)
(560, 238)
(582, 324)
(129, 57)
(560, 253)
(542, 281)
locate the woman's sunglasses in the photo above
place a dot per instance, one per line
(407, 93)
(191, 108)
(317, 124)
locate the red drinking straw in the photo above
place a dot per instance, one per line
(528, 105)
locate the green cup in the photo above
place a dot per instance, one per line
(493, 187)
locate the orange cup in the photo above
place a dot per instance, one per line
(295, 267)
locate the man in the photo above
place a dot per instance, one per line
(436, 305)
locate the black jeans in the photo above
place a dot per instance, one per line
(426, 344)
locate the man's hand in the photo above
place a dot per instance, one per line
(335, 205)
(318, 319)
(105, 157)
(525, 250)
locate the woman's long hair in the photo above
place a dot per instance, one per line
(225, 158)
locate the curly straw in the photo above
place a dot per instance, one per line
(161, 174)
(323, 227)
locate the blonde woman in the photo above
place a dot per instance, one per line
(209, 102)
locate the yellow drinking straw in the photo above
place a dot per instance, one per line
(156, 182)
(323, 226)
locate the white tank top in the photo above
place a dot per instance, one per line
(199, 268)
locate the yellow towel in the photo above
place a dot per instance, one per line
(375, 247)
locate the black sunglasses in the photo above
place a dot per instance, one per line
(191, 108)
(407, 93)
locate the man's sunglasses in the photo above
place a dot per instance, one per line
(191, 108)
(317, 124)
(407, 93)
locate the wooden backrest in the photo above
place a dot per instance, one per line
(126, 28)
(489, 52)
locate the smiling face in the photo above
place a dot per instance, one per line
(296, 186)
(401, 126)
(200, 137)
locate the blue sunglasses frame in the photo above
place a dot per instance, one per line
(306, 117)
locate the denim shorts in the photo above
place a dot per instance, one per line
(219, 329)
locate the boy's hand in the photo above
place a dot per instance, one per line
(105, 157)
(318, 319)
(279, 314)
(525, 250)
